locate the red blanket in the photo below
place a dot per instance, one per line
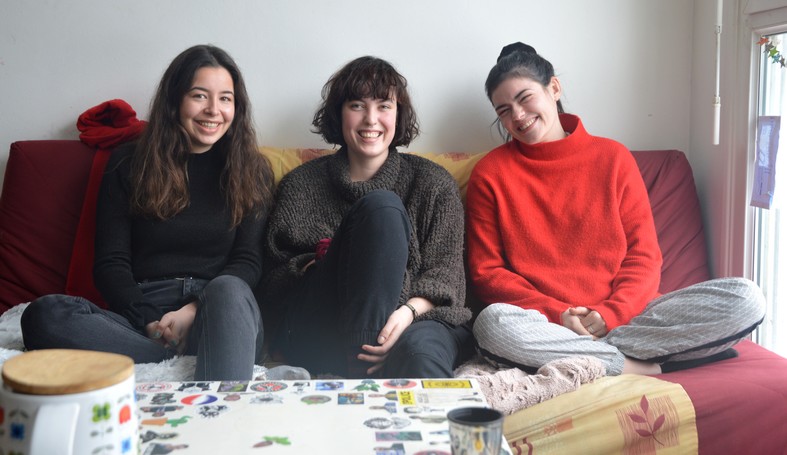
(105, 126)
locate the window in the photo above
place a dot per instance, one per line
(770, 228)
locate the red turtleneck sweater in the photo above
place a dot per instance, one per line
(563, 224)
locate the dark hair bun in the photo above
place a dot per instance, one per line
(516, 47)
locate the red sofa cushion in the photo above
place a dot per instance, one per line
(40, 207)
(678, 217)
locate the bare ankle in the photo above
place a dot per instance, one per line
(633, 366)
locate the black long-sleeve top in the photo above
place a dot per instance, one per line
(197, 242)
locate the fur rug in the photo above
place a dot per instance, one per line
(176, 369)
(511, 390)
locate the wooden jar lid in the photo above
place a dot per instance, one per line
(65, 371)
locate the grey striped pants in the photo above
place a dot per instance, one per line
(691, 323)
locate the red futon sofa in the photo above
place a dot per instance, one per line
(740, 403)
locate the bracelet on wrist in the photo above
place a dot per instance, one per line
(411, 307)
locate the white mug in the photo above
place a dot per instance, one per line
(96, 419)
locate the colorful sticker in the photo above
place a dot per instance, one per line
(407, 398)
(270, 440)
(397, 436)
(199, 399)
(330, 385)
(368, 385)
(447, 384)
(350, 398)
(152, 387)
(269, 386)
(399, 384)
(233, 386)
(396, 449)
(316, 399)
(391, 395)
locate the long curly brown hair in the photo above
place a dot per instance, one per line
(159, 177)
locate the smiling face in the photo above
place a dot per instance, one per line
(368, 127)
(528, 110)
(208, 107)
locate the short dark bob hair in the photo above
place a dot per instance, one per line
(365, 77)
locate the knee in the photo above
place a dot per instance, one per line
(228, 293)
(752, 299)
(229, 286)
(41, 312)
(378, 199)
(498, 316)
(387, 208)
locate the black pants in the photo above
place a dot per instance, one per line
(345, 299)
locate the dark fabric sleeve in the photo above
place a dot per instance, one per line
(112, 270)
(441, 275)
(287, 245)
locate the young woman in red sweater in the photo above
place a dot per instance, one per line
(560, 232)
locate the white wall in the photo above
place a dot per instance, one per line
(625, 65)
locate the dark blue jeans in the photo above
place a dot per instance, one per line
(226, 336)
(345, 299)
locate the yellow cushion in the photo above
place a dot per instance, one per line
(283, 160)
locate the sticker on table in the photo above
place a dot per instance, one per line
(421, 409)
(395, 449)
(199, 399)
(434, 418)
(407, 398)
(270, 440)
(267, 398)
(446, 384)
(233, 386)
(165, 421)
(192, 387)
(300, 387)
(368, 385)
(212, 411)
(389, 406)
(329, 385)
(236, 396)
(152, 387)
(350, 398)
(159, 411)
(447, 397)
(150, 435)
(316, 399)
(163, 449)
(382, 423)
(390, 395)
(163, 398)
(268, 386)
(397, 436)
(399, 384)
